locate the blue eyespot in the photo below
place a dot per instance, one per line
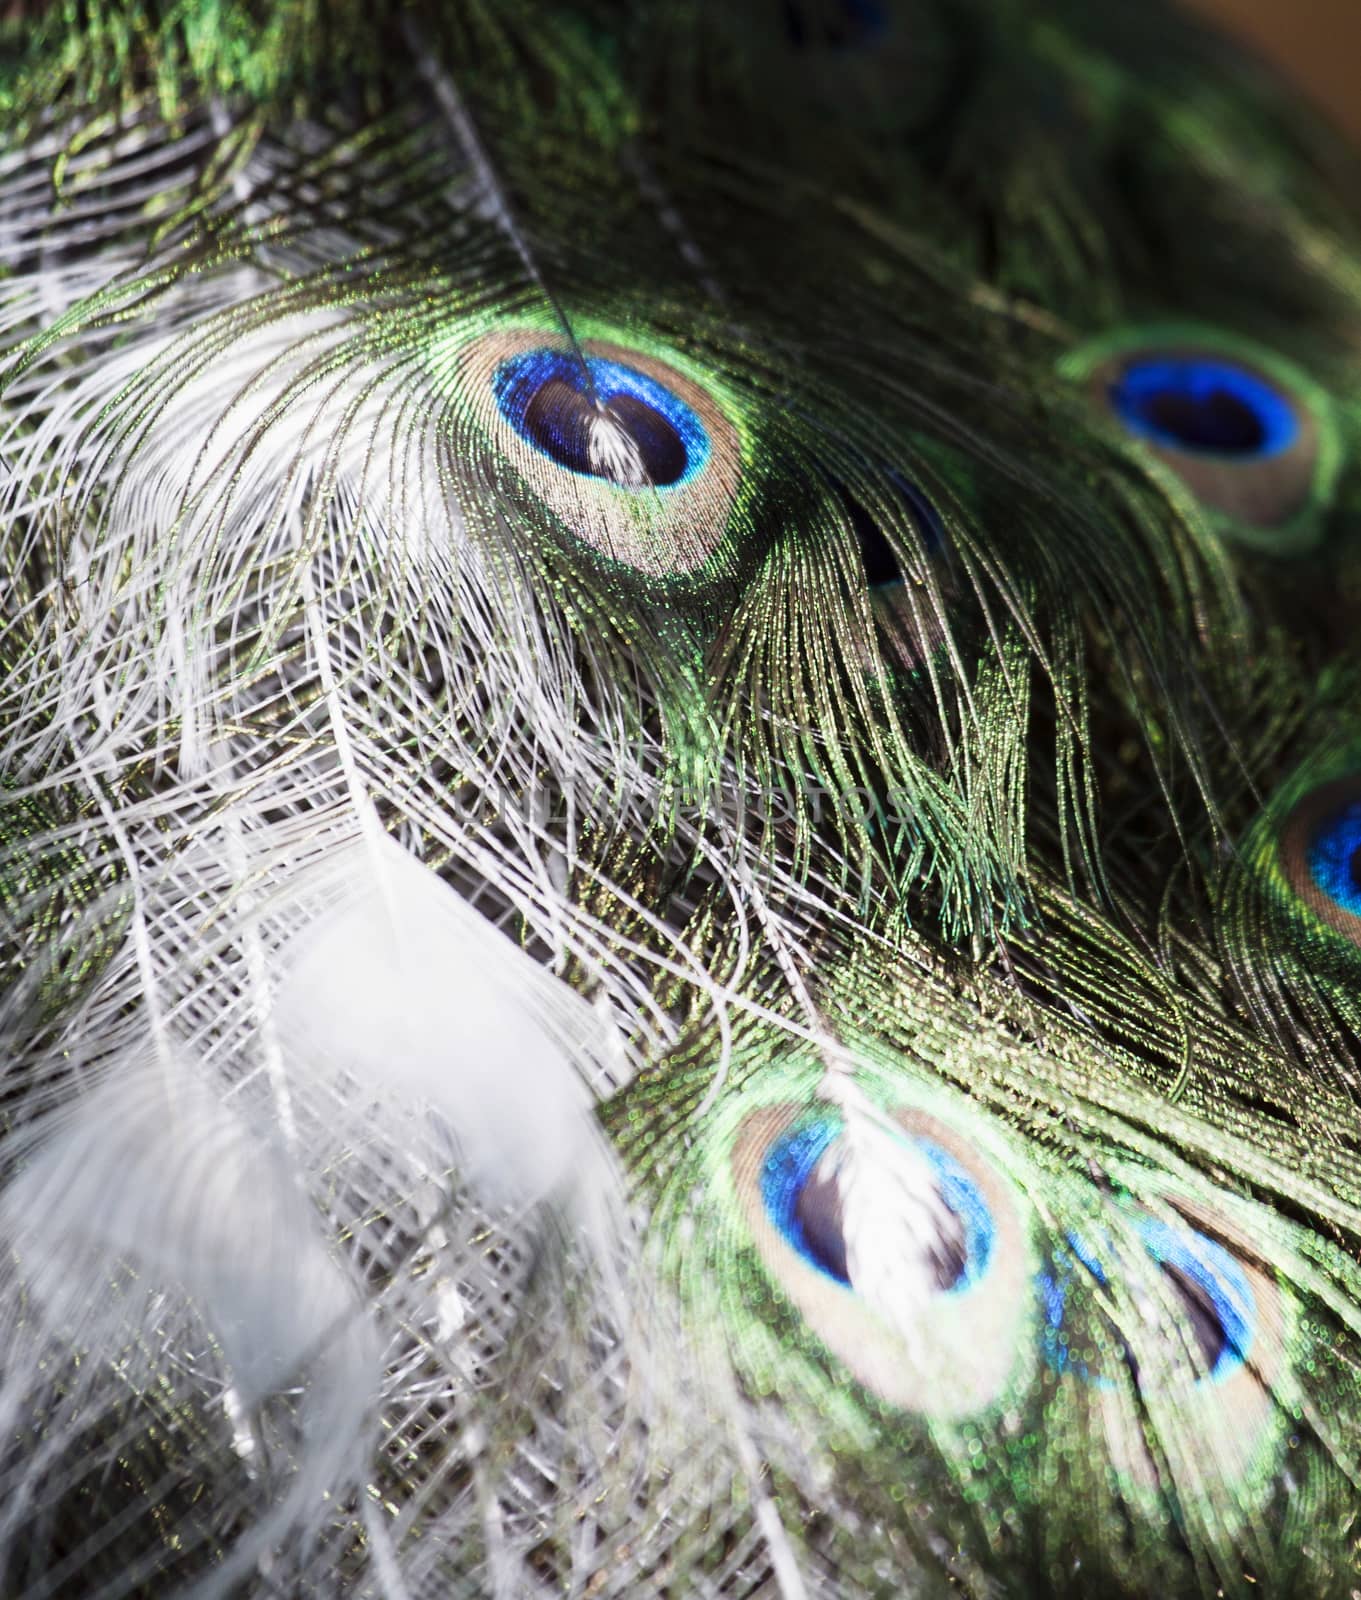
(1205, 406)
(1334, 855)
(1215, 1296)
(1254, 439)
(789, 1166)
(1213, 1288)
(806, 1207)
(601, 419)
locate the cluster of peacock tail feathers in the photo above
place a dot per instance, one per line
(680, 804)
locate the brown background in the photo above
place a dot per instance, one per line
(1318, 42)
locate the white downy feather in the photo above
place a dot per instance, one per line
(406, 995)
(151, 1223)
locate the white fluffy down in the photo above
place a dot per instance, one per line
(410, 998)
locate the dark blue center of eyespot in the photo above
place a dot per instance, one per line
(789, 1176)
(881, 565)
(1206, 406)
(1220, 1298)
(834, 24)
(1211, 1284)
(1335, 857)
(557, 401)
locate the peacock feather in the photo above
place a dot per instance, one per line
(680, 811)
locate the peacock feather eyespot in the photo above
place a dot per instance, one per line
(1320, 854)
(1213, 1290)
(1252, 437)
(802, 1189)
(602, 418)
(628, 454)
(909, 1260)
(1203, 1282)
(1200, 1338)
(1205, 405)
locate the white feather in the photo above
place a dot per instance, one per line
(151, 1174)
(408, 996)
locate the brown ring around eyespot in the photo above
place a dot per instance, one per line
(1296, 841)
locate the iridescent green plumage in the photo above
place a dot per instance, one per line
(677, 729)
